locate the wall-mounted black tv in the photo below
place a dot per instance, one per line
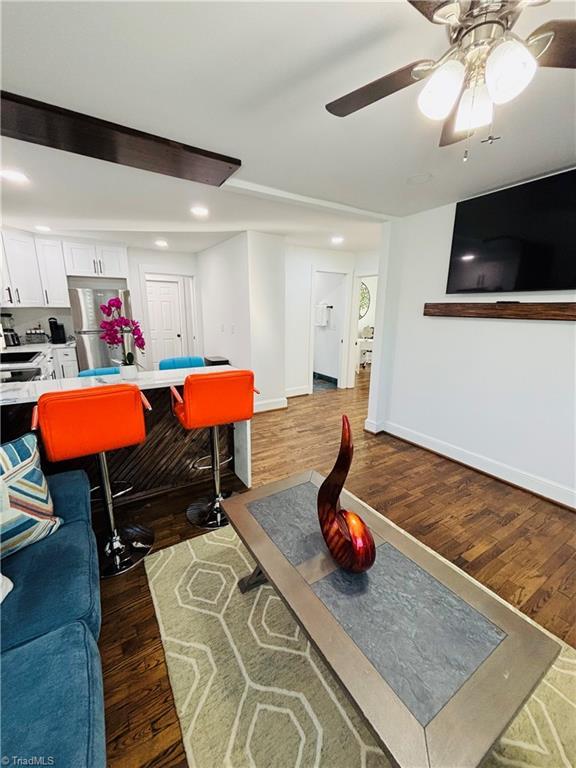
(519, 239)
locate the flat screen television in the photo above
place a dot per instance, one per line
(519, 239)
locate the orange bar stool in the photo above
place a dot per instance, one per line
(211, 400)
(81, 422)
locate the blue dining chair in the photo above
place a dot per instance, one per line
(193, 361)
(99, 371)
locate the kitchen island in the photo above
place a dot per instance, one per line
(164, 461)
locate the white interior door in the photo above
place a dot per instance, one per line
(165, 313)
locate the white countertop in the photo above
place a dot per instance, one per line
(30, 391)
(45, 347)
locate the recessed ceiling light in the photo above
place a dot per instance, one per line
(420, 178)
(16, 176)
(161, 243)
(200, 211)
(468, 257)
(337, 240)
(42, 228)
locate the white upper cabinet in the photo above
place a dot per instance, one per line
(7, 297)
(112, 260)
(25, 286)
(52, 272)
(86, 260)
(80, 259)
(34, 271)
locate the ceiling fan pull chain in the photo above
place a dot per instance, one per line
(469, 130)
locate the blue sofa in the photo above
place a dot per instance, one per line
(52, 699)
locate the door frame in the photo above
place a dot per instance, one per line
(188, 304)
(343, 376)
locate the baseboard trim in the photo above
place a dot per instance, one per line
(373, 426)
(271, 405)
(547, 489)
(297, 391)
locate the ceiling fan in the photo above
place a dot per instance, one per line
(486, 64)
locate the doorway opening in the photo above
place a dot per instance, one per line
(171, 316)
(365, 297)
(330, 311)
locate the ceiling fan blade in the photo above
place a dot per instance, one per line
(449, 135)
(554, 44)
(427, 8)
(376, 90)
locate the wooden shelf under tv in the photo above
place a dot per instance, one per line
(522, 310)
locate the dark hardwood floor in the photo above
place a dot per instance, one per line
(520, 546)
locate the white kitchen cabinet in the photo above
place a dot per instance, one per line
(65, 363)
(7, 297)
(80, 259)
(87, 260)
(52, 272)
(112, 260)
(24, 283)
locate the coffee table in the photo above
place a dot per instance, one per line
(436, 664)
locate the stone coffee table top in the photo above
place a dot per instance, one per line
(436, 664)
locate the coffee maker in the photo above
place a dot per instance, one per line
(10, 336)
(57, 332)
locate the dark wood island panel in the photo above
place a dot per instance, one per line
(162, 463)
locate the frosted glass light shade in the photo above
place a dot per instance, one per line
(475, 109)
(439, 94)
(509, 70)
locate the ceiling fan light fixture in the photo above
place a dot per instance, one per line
(475, 109)
(509, 70)
(441, 90)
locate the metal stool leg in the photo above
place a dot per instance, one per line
(125, 547)
(210, 515)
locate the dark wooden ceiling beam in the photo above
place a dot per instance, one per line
(51, 126)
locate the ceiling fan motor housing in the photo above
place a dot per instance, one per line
(477, 42)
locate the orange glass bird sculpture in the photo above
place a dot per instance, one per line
(346, 535)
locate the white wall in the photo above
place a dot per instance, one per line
(495, 394)
(223, 272)
(242, 285)
(144, 261)
(301, 262)
(267, 318)
(368, 262)
(29, 317)
(329, 290)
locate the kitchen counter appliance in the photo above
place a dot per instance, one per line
(18, 376)
(10, 336)
(57, 331)
(18, 358)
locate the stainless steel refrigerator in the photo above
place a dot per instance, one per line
(86, 316)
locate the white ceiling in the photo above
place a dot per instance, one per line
(78, 195)
(251, 80)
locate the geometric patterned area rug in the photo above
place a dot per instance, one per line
(251, 692)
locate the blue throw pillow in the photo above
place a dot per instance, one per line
(26, 509)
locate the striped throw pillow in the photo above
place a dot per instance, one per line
(26, 509)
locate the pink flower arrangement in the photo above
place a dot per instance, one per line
(116, 326)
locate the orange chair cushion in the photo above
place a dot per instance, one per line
(85, 421)
(211, 399)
